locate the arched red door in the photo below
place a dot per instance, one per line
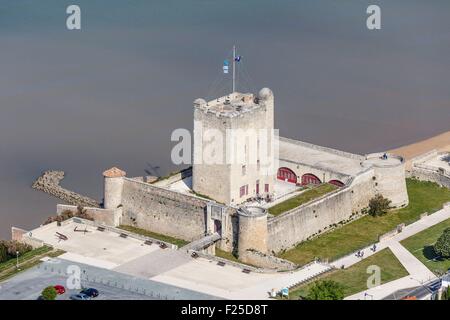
(309, 178)
(336, 183)
(287, 174)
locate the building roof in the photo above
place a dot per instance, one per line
(114, 172)
(231, 105)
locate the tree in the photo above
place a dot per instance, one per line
(16, 246)
(3, 252)
(379, 205)
(442, 245)
(49, 293)
(326, 290)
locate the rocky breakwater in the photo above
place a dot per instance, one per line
(49, 181)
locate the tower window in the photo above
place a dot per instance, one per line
(244, 170)
(266, 188)
(258, 165)
(243, 191)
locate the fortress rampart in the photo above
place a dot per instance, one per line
(162, 211)
(426, 168)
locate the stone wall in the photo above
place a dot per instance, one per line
(300, 223)
(109, 217)
(325, 149)
(49, 181)
(267, 261)
(17, 233)
(425, 172)
(325, 175)
(320, 215)
(33, 242)
(431, 175)
(173, 178)
(163, 211)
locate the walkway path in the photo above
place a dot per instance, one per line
(407, 231)
(413, 265)
(262, 290)
(418, 272)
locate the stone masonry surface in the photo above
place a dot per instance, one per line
(49, 181)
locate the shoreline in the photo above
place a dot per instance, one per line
(440, 142)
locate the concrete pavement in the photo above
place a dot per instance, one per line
(413, 265)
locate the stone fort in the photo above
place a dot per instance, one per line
(233, 200)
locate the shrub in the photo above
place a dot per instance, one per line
(379, 205)
(442, 245)
(12, 247)
(3, 252)
(326, 290)
(67, 214)
(49, 293)
(82, 213)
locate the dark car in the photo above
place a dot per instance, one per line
(80, 296)
(91, 292)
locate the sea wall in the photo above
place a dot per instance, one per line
(49, 181)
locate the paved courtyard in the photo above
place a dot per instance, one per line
(103, 249)
(320, 157)
(441, 160)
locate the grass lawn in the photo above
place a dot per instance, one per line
(26, 261)
(226, 255)
(354, 279)
(154, 235)
(421, 246)
(231, 257)
(423, 197)
(302, 198)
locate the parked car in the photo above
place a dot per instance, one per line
(80, 296)
(60, 289)
(91, 292)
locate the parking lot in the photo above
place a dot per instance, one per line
(111, 285)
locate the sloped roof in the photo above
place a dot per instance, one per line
(114, 172)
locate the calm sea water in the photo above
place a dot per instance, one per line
(111, 94)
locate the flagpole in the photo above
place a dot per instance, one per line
(234, 69)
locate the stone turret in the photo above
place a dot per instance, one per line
(252, 231)
(113, 186)
(389, 177)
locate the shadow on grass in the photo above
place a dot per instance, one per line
(428, 252)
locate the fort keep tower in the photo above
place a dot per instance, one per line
(235, 147)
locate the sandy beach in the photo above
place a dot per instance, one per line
(440, 142)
